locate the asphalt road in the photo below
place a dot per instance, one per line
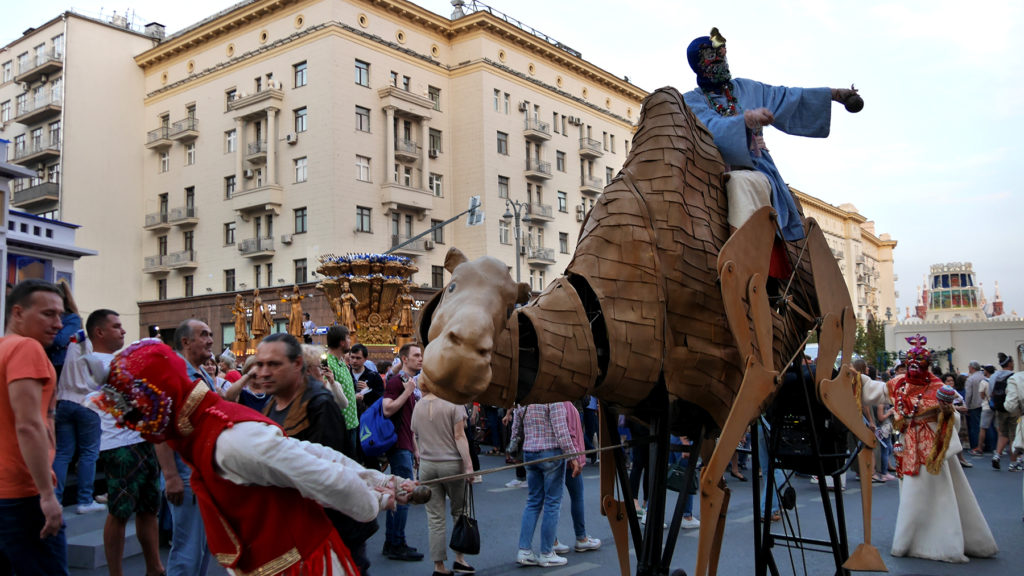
(499, 510)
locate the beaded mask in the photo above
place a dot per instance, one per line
(918, 360)
(706, 56)
(146, 382)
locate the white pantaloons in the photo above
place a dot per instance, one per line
(747, 191)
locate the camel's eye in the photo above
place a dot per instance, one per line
(451, 287)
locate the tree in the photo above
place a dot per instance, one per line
(870, 343)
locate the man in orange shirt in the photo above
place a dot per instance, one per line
(31, 525)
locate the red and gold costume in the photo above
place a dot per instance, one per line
(916, 408)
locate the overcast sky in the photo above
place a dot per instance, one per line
(930, 159)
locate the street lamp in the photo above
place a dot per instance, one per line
(521, 212)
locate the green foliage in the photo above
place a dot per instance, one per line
(870, 344)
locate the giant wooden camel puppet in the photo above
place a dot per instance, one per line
(661, 311)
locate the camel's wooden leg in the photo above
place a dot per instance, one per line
(758, 384)
(614, 510)
(865, 557)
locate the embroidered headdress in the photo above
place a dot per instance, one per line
(706, 56)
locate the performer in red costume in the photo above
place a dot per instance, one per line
(938, 517)
(260, 493)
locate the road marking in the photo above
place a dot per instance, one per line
(592, 477)
(574, 569)
(506, 489)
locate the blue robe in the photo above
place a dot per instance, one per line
(798, 111)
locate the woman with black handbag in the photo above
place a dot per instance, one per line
(439, 430)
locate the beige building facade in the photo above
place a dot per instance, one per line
(864, 257)
(71, 106)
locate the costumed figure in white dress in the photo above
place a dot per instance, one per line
(938, 517)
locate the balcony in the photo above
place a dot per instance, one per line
(185, 130)
(48, 63)
(256, 152)
(266, 198)
(406, 150)
(541, 256)
(417, 248)
(256, 247)
(155, 265)
(159, 139)
(255, 105)
(537, 170)
(34, 196)
(398, 197)
(186, 259)
(45, 107)
(184, 216)
(541, 213)
(405, 103)
(536, 130)
(39, 153)
(157, 222)
(590, 148)
(590, 185)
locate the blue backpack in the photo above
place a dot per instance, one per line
(376, 431)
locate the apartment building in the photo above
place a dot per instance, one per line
(280, 130)
(71, 106)
(864, 257)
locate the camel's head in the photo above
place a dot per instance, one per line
(460, 324)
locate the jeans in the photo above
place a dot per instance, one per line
(401, 465)
(575, 487)
(885, 448)
(76, 427)
(974, 426)
(494, 427)
(775, 483)
(590, 427)
(20, 523)
(189, 555)
(544, 482)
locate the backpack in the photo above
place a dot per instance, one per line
(376, 431)
(999, 393)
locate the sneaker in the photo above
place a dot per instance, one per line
(101, 498)
(995, 462)
(689, 523)
(526, 558)
(560, 548)
(478, 479)
(551, 559)
(587, 543)
(515, 483)
(405, 553)
(90, 508)
(1015, 467)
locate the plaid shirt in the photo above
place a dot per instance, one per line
(546, 428)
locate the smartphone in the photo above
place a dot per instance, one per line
(323, 360)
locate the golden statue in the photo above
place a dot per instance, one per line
(405, 326)
(241, 343)
(261, 324)
(347, 308)
(294, 312)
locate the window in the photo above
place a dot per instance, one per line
(437, 277)
(403, 175)
(189, 284)
(437, 185)
(22, 103)
(497, 100)
(300, 74)
(503, 232)
(362, 168)
(300, 119)
(229, 233)
(362, 73)
(257, 273)
(164, 201)
(406, 83)
(608, 175)
(5, 110)
(270, 273)
(161, 289)
(301, 271)
(554, 122)
(161, 246)
(611, 142)
(394, 79)
(563, 202)
(190, 153)
(55, 133)
(8, 72)
(301, 220)
(604, 140)
(53, 173)
(229, 97)
(560, 160)
(165, 162)
(56, 89)
(434, 137)
(434, 94)
(363, 219)
(502, 143)
(502, 186)
(508, 102)
(362, 119)
(533, 280)
(258, 83)
(229, 187)
(300, 169)
(437, 235)
(230, 141)
(229, 280)
(23, 62)
(58, 46)
(563, 242)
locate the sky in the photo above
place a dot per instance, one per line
(929, 159)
